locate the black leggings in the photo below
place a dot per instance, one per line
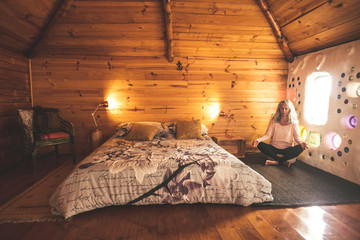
(288, 153)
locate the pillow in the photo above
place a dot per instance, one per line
(142, 132)
(188, 129)
(204, 130)
(27, 117)
(123, 128)
(170, 127)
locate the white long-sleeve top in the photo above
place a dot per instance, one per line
(282, 136)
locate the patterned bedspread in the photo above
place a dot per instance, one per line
(161, 171)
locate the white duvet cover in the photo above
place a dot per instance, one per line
(161, 171)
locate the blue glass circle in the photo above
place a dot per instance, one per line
(346, 149)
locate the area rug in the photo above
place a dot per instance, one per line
(32, 204)
(303, 185)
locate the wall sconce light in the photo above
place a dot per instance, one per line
(230, 117)
(223, 114)
(103, 104)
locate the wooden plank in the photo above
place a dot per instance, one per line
(334, 228)
(332, 15)
(345, 32)
(61, 11)
(256, 21)
(216, 8)
(287, 11)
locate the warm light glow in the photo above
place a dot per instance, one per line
(333, 140)
(314, 217)
(303, 133)
(213, 110)
(114, 106)
(353, 89)
(317, 95)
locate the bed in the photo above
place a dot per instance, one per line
(136, 167)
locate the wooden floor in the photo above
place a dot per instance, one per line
(198, 221)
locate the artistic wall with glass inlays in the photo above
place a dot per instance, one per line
(325, 89)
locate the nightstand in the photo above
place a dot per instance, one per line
(235, 146)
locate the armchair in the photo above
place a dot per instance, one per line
(44, 127)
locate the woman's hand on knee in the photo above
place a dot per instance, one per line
(255, 143)
(304, 145)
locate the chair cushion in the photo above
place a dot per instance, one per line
(54, 135)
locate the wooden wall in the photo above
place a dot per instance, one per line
(312, 25)
(153, 89)
(14, 94)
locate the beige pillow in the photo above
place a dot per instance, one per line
(188, 129)
(142, 132)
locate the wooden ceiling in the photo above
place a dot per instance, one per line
(198, 28)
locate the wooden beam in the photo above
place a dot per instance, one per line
(62, 10)
(169, 30)
(283, 42)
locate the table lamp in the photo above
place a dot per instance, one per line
(97, 136)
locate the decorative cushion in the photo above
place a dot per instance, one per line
(123, 128)
(170, 127)
(54, 135)
(142, 132)
(27, 117)
(188, 129)
(204, 130)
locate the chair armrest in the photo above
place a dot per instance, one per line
(67, 126)
(28, 134)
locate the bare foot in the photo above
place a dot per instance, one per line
(288, 164)
(271, 162)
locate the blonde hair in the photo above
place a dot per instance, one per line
(291, 117)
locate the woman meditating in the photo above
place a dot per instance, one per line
(283, 130)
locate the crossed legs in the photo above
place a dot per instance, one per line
(279, 155)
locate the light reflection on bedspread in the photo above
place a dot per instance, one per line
(158, 172)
